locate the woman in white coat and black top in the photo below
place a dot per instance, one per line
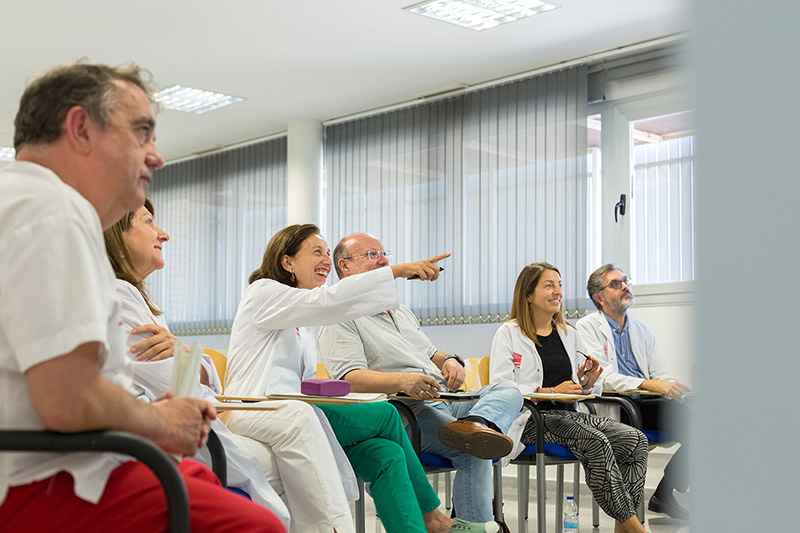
(540, 352)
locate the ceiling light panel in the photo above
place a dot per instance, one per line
(6, 153)
(481, 15)
(196, 101)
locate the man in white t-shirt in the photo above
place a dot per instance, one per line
(388, 353)
(84, 140)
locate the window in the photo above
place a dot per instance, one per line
(496, 177)
(662, 200)
(220, 211)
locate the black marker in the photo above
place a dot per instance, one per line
(416, 276)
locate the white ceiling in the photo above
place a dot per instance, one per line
(318, 59)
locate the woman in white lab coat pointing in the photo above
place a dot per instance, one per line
(273, 348)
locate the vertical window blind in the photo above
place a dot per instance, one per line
(220, 211)
(663, 211)
(497, 177)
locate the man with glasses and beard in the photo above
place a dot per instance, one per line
(627, 349)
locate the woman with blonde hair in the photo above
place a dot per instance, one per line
(540, 352)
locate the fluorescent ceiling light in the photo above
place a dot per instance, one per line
(193, 100)
(481, 15)
(6, 153)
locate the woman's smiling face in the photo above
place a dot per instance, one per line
(145, 240)
(545, 300)
(311, 264)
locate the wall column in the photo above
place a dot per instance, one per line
(304, 172)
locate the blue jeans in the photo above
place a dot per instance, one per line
(472, 486)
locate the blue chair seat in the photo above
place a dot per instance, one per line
(435, 461)
(554, 450)
(655, 436)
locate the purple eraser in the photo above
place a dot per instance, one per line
(325, 387)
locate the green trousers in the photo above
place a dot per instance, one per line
(376, 443)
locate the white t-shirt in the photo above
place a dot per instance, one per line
(57, 292)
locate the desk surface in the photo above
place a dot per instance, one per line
(348, 399)
(558, 396)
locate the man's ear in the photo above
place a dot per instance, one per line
(599, 299)
(342, 264)
(78, 128)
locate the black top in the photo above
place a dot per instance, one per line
(556, 367)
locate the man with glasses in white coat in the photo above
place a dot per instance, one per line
(627, 349)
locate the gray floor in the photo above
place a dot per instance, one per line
(654, 523)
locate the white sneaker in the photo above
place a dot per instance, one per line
(462, 526)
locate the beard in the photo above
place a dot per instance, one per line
(621, 305)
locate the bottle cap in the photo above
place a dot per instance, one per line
(570, 497)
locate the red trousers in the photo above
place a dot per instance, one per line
(133, 501)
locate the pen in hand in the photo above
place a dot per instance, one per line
(416, 276)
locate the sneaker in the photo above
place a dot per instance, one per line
(667, 505)
(462, 526)
(475, 439)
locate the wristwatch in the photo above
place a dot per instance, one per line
(456, 357)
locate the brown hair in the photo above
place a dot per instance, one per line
(46, 101)
(520, 308)
(285, 242)
(121, 258)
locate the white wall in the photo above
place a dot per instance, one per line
(673, 326)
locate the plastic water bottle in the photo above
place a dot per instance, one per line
(570, 516)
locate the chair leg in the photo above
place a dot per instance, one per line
(448, 490)
(559, 496)
(360, 508)
(541, 493)
(523, 494)
(497, 481)
(576, 485)
(595, 513)
(640, 514)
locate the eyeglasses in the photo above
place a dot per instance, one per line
(587, 367)
(616, 284)
(373, 255)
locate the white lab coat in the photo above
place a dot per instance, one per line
(273, 345)
(596, 333)
(151, 380)
(515, 358)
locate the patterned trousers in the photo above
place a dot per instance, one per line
(614, 456)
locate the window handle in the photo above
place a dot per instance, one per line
(619, 207)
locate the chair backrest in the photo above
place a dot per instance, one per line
(220, 362)
(483, 370)
(472, 380)
(322, 372)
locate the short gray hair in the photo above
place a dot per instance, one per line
(338, 253)
(595, 283)
(46, 101)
